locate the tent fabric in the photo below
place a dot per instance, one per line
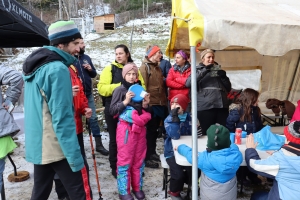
(245, 34)
(270, 27)
(19, 27)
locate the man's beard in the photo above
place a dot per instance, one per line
(81, 51)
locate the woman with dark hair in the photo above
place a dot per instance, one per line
(154, 82)
(110, 79)
(245, 114)
(212, 88)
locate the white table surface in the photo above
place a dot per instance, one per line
(202, 141)
(19, 119)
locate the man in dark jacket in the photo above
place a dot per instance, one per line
(87, 71)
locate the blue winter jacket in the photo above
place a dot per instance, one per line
(220, 166)
(50, 130)
(84, 74)
(283, 167)
(233, 120)
(174, 130)
(165, 66)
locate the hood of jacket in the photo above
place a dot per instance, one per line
(43, 56)
(227, 159)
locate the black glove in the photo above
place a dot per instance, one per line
(221, 73)
(174, 114)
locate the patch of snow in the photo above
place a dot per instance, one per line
(91, 36)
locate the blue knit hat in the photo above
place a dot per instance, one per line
(62, 32)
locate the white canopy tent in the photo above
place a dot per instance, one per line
(247, 35)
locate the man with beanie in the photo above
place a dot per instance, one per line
(86, 72)
(51, 142)
(218, 164)
(154, 82)
(282, 166)
(177, 123)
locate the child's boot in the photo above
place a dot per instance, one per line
(140, 195)
(126, 197)
(175, 195)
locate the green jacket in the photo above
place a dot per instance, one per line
(50, 131)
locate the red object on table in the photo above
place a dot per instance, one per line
(238, 136)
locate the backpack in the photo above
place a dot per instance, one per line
(233, 95)
(113, 71)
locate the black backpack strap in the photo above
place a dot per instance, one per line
(148, 70)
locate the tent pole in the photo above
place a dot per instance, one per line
(194, 124)
(296, 69)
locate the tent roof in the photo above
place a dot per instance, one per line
(271, 27)
(19, 27)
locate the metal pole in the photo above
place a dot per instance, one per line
(59, 11)
(194, 124)
(131, 38)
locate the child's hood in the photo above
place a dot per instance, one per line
(226, 161)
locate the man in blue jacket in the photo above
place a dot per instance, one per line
(87, 71)
(51, 142)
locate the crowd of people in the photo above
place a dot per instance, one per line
(58, 92)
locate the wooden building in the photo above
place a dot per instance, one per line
(104, 22)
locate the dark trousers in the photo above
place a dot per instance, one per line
(212, 116)
(262, 195)
(112, 130)
(152, 135)
(178, 175)
(59, 187)
(73, 181)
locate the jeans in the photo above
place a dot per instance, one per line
(2, 164)
(93, 120)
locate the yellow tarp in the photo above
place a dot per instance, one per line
(187, 26)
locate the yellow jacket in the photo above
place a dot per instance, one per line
(106, 85)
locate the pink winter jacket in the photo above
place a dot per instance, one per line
(296, 116)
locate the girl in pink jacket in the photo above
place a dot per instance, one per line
(131, 135)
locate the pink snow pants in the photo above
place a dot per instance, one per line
(132, 149)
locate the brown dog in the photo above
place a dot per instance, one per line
(286, 107)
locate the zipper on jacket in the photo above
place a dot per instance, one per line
(126, 137)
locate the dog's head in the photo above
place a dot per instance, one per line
(273, 103)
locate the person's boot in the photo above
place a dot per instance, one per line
(140, 195)
(99, 146)
(126, 197)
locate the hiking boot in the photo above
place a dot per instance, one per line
(140, 195)
(175, 195)
(126, 197)
(99, 146)
(151, 164)
(155, 157)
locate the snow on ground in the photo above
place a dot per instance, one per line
(22, 190)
